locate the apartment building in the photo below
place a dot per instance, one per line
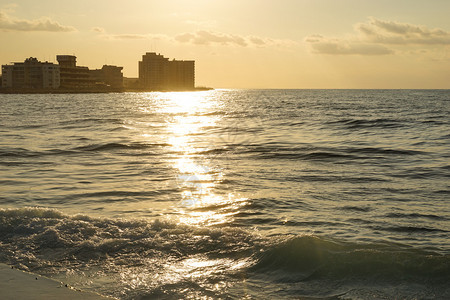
(73, 76)
(156, 72)
(31, 74)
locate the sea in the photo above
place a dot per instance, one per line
(230, 194)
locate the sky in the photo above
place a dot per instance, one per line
(244, 43)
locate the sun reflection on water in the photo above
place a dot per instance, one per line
(189, 116)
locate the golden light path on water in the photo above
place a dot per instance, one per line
(190, 129)
(189, 124)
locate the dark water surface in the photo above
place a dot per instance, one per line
(264, 194)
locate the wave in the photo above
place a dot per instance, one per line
(31, 236)
(121, 258)
(309, 258)
(327, 153)
(331, 178)
(366, 123)
(24, 153)
(409, 229)
(137, 258)
(76, 123)
(119, 146)
(415, 216)
(357, 208)
(30, 126)
(212, 151)
(383, 151)
(120, 195)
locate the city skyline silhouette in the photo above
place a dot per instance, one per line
(250, 44)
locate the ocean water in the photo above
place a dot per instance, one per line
(230, 194)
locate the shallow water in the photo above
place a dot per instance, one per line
(230, 193)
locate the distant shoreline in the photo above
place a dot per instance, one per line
(93, 91)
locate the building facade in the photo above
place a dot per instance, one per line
(158, 73)
(181, 74)
(111, 76)
(73, 76)
(31, 74)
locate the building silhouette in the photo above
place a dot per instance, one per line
(111, 76)
(157, 72)
(73, 76)
(66, 76)
(31, 74)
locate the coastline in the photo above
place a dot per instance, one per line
(93, 91)
(18, 284)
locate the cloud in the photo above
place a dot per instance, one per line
(127, 36)
(135, 36)
(10, 23)
(10, 7)
(258, 41)
(203, 37)
(396, 33)
(98, 29)
(379, 37)
(324, 45)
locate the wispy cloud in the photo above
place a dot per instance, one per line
(379, 37)
(10, 7)
(11, 23)
(135, 36)
(325, 45)
(203, 37)
(98, 29)
(391, 32)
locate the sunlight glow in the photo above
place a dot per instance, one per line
(185, 102)
(188, 117)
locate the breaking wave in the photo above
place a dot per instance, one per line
(165, 259)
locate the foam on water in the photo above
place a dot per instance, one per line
(131, 258)
(73, 248)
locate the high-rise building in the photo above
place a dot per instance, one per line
(181, 74)
(158, 73)
(31, 74)
(152, 71)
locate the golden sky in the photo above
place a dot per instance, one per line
(244, 43)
